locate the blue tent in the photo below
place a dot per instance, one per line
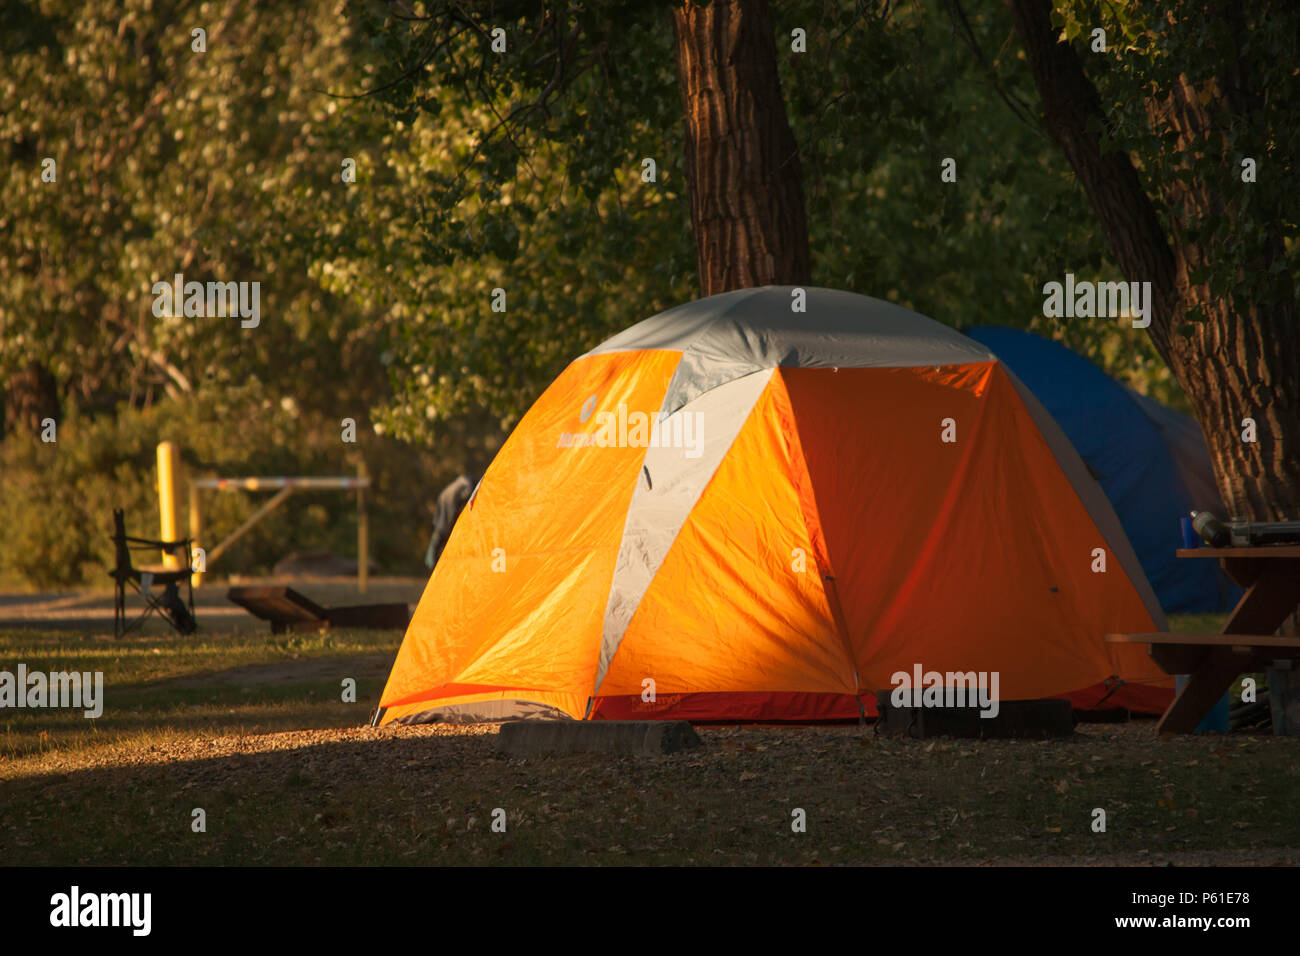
(1151, 461)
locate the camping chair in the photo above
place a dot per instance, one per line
(143, 579)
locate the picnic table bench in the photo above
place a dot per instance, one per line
(287, 610)
(1271, 576)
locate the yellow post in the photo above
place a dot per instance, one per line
(363, 534)
(169, 466)
(196, 532)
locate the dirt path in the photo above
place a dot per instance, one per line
(92, 609)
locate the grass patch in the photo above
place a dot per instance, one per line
(252, 730)
(201, 685)
(1196, 623)
(368, 796)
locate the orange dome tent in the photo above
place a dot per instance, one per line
(759, 513)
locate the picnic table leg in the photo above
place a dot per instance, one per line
(1268, 602)
(1210, 681)
(1262, 610)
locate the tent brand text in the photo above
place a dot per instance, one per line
(624, 429)
(951, 689)
(56, 689)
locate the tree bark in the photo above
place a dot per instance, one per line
(1234, 365)
(742, 164)
(32, 396)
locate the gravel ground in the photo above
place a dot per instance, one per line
(901, 791)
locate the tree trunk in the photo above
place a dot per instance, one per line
(742, 165)
(1234, 365)
(32, 396)
(1238, 366)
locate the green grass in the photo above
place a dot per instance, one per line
(139, 700)
(1196, 623)
(139, 659)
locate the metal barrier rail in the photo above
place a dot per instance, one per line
(169, 471)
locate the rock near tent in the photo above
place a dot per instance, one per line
(736, 511)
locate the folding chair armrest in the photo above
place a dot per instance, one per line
(150, 544)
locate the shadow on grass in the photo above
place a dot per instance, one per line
(422, 797)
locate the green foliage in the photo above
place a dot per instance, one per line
(479, 170)
(1191, 90)
(223, 165)
(548, 206)
(877, 104)
(878, 101)
(212, 164)
(58, 498)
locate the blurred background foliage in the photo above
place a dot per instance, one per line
(376, 295)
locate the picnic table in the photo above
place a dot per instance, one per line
(1271, 576)
(287, 610)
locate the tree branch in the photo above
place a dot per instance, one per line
(1075, 120)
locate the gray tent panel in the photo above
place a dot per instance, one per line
(727, 336)
(667, 489)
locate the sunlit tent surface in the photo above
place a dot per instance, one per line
(799, 533)
(1151, 461)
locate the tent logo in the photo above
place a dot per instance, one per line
(624, 429)
(1102, 300)
(56, 689)
(657, 702)
(951, 689)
